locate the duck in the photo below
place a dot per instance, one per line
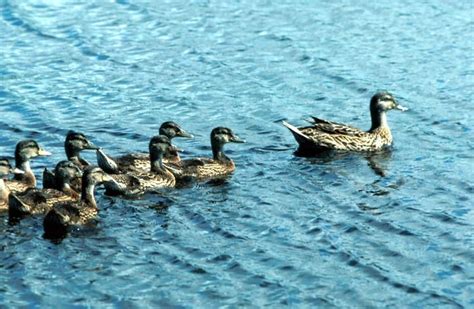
(64, 215)
(204, 168)
(73, 145)
(5, 170)
(325, 135)
(141, 161)
(35, 201)
(25, 151)
(133, 181)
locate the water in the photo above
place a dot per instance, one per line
(395, 229)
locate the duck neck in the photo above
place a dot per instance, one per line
(218, 152)
(87, 193)
(28, 176)
(157, 166)
(379, 119)
(62, 183)
(72, 153)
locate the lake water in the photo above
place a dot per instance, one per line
(394, 229)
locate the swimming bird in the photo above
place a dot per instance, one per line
(38, 201)
(205, 168)
(134, 181)
(25, 151)
(141, 161)
(325, 135)
(5, 170)
(64, 215)
(73, 145)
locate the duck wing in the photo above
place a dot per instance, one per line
(335, 127)
(35, 201)
(203, 168)
(325, 135)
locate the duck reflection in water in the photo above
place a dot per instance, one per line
(378, 161)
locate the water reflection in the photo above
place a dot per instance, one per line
(377, 161)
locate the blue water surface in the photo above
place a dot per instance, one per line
(390, 230)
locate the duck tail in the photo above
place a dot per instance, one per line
(55, 224)
(16, 207)
(49, 181)
(106, 163)
(300, 137)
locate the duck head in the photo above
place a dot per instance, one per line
(26, 150)
(95, 175)
(6, 168)
(75, 143)
(91, 177)
(65, 171)
(221, 136)
(380, 103)
(171, 130)
(384, 101)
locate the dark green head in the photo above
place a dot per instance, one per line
(171, 130)
(67, 170)
(28, 149)
(76, 142)
(384, 101)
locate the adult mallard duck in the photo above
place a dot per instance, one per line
(38, 201)
(204, 168)
(73, 145)
(25, 151)
(64, 215)
(141, 161)
(326, 135)
(133, 181)
(5, 170)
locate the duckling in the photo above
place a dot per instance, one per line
(5, 170)
(66, 214)
(38, 201)
(25, 151)
(325, 135)
(73, 145)
(141, 161)
(204, 168)
(134, 181)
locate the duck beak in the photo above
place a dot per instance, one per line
(185, 134)
(16, 171)
(235, 139)
(401, 108)
(43, 152)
